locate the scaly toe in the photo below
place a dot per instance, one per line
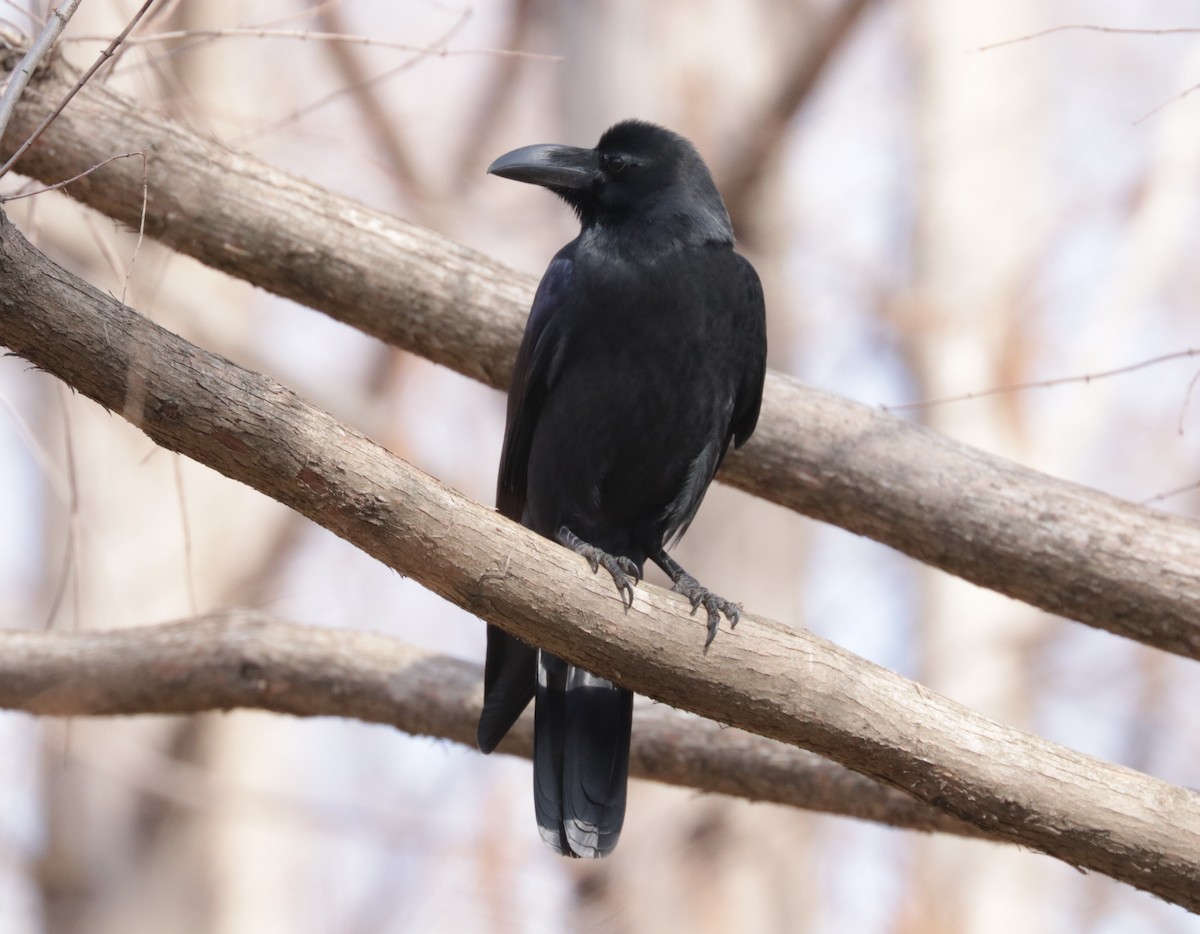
(630, 568)
(616, 566)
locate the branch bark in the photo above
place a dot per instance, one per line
(789, 686)
(1062, 547)
(244, 659)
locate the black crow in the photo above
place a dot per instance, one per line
(643, 357)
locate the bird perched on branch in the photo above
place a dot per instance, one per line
(643, 358)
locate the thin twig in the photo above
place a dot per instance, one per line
(28, 14)
(189, 577)
(1187, 398)
(1113, 30)
(55, 23)
(306, 35)
(384, 130)
(497, 90)
(141, 234)
(1043, 383)
(55, 479)
(1167, 103)
(1177, 491)
(83, 79)
(357, 89)
(69, 570)
(1089, 27)
(86, 172)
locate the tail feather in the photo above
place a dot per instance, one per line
(582, 727)
(549, 731)
(508, 678)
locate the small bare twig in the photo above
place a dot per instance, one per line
(1168, 102)
(86, 172)
(83, 79)
(28, 14)
(497, 89)
(1112, 30)
(189, 577)
(306, 35)
(1187, 398)
(1169, 494)
(71, 545)
(356, 87)
(1043, 383)
(55, 23)
(383, 130)
(55, 478)
(1089, 27)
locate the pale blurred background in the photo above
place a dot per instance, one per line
(929, 219)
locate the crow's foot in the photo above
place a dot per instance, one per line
(624, 571)
(699, 595)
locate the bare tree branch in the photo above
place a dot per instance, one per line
(56, 22)
(245, 659)
(36, 133)
(739, 180)
(1065, 548)
(786, 685)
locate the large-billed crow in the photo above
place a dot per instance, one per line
(643, 358)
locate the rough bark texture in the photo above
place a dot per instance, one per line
(244, 659)
(790, 686)
(1059, 546)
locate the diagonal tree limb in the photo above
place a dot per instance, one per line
(1062, 547)
(785, 685)
(56, 22)
(245, 659)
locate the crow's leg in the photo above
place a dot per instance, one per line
(700, 595)
(625, 573)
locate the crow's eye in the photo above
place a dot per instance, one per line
(614, 164)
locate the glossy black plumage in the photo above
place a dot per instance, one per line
(643, 358)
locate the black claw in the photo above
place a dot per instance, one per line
(714, 605)
(714, 623)
(620, 567)
(616, 566)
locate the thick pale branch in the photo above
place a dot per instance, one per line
(244, 659)
(789, 686)
(1059, 546)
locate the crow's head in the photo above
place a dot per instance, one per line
(640, 179)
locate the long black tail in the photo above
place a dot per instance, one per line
(581, 734)
(509, 676)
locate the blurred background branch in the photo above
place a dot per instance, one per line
(246, 659)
